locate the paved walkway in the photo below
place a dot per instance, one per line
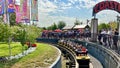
(95, 63)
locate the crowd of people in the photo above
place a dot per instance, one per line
(107, 37)
(78, 48)
(66, 34)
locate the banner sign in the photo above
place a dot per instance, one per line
(112, 5)
(18, 13)
(34, 10)
(2, 5)
(11, 6)
(26, 11)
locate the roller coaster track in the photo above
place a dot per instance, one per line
(94, 63)
(70, 54)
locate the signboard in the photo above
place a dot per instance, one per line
(11, 7)
(112, 5)
(25, 11)
(2, 7)
(34, 10)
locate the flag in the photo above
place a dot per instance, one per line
(18, 13)
(2, 5)
(34, 10)
(25, 11)
(11, 6)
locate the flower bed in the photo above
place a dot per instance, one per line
(31, 45)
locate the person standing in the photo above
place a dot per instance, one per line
(100, 37)
(110, 33)
(115, 39)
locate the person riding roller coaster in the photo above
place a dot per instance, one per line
(81, 50)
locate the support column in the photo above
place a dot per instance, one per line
(94, 29)
(119, 27)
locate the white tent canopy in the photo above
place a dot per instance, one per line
(79, 26)
(67, 27)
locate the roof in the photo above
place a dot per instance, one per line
(67, 27)
(79, 26)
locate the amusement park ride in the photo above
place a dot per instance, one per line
(80, 51)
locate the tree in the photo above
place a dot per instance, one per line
(21, 36)
(103, 26)
(49, 28)
(54, 26)
(76, 22)
(113, 24)
(44, 28)
(6, 35)
(12, 19)
(61, 24)
(32, 33)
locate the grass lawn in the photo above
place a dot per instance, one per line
(16, 48)
(43, 56)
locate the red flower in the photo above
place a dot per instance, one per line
(34, 45)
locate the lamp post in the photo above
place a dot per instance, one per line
(8, 22)
(118, 23)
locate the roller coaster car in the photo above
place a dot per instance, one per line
(83, 61)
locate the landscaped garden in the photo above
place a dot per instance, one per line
(16, 39)
(43, 56)
(16, 48)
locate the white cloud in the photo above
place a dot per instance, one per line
(46, 20)
(46, 6)
(107, 15)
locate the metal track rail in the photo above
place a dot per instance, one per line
(70, 55)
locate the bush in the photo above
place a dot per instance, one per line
(28, 43)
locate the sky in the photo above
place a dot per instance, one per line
(53, 11)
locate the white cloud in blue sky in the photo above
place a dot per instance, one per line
(51, 11)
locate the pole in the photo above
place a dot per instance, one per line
(8, 22)
(118, 21)
(118, 24)
(30, 11)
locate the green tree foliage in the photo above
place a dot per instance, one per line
(103, 26)
(76, 22)
(32, 33)
(49, 28)
(61, 24)
(5, 32)
(21, 33)
(12, 19)
(54, 26)
(113, 24)
(27, 34)
(44, 28)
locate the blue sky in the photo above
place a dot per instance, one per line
(52, 11)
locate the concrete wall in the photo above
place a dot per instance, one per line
(108, 58)
(57, 63)
(53, 41)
